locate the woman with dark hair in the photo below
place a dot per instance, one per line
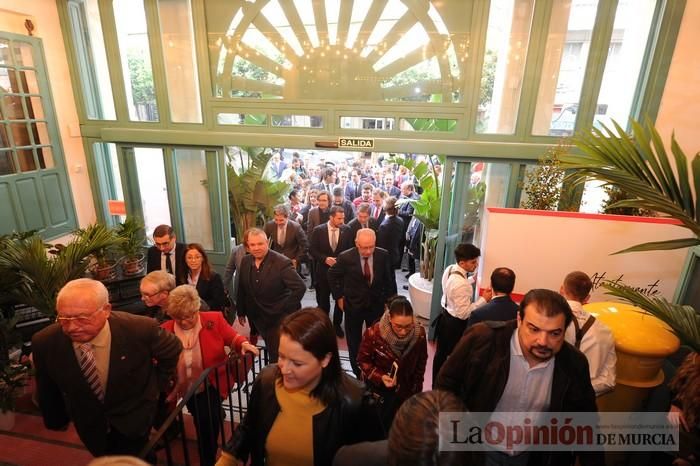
(304, 408)
(685, 409)
(200, 275)
(392, 357)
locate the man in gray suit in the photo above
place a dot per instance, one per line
(287, 236)
(269, 289)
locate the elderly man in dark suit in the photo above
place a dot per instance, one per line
(362, 280)
(327, 241)
(269, 289)
(103, 370)
(167, 254)
(287, 236)
(501, 307)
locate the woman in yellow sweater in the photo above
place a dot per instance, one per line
(304, 408)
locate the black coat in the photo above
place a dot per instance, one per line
(270, 294)
(500, 308)
(347, 281)
(296, 243)
(212, 291)
(153, 262)
(355, 226)
(143, 359)
(348, 420)
(320, 247)
(389, 237)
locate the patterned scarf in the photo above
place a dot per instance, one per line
(399, 346)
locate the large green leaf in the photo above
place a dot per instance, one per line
(640, 166)
(662, 245)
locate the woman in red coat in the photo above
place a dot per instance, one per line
(204, 336)
(396, 341)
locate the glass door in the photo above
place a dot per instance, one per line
(182, 187)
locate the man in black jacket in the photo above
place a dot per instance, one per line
(523, 366)
(268, 290)
(167, 254)
(328, 240)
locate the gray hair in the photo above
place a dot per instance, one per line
(87, 286)
(163, 280)
(183, 302)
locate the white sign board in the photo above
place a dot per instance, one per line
(542, 247)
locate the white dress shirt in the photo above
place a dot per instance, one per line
(457, 292)
(598, 344)
(163, 258)
(529, 389)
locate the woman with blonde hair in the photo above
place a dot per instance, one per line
(204, 337)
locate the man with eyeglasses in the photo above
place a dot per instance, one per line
(102, 370)
(167, 254)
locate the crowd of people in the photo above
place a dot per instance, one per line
(105, 370)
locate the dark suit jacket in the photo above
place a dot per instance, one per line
(349, 209)
(347, 280)
(499, 308)
(296, 243)
(354, 226)
(315, 218)
(353, 191)
(180, 264)
(320, 247)
(143, 358)
(389, 237)
(381, 216)
(270, 294)
(392, 191)
(212, 291)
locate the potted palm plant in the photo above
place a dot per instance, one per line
(103, 265)
(639, 165)
(252, 196)
(38, 270)
(133, 237)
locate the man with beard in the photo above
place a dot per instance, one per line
(523, 365)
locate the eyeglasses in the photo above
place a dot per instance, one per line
(193, 258)
(81, 319)
(146, 295)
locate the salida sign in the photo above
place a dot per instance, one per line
(356, 143)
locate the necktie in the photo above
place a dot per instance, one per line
(280, 236)
(364, 225)
(88, 366)
(334, 238)
(168, 264)
(366, 272)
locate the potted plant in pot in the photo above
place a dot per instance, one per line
(103, 265)
(133, 236)
(427, 211)
(252, 196)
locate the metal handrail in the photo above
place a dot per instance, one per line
(238, 385)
